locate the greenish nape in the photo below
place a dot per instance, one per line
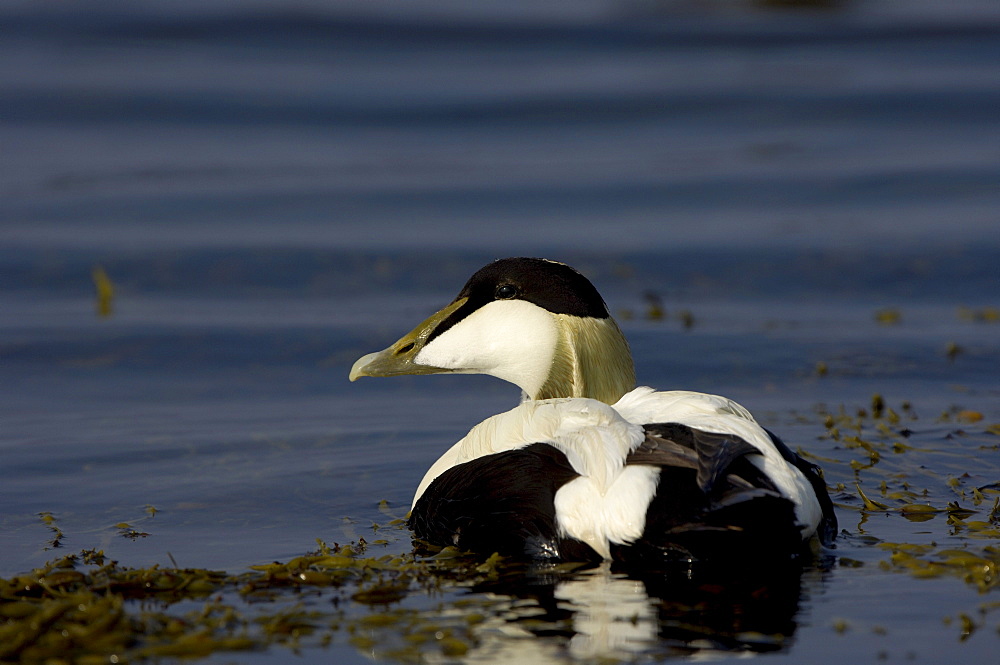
(592, 359)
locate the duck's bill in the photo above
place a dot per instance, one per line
(400, 358)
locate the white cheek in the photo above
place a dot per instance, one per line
(512, 340)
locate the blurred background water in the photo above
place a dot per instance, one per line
(276, 188)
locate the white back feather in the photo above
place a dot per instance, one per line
(607, 504)
(720, 415)
(592, 435)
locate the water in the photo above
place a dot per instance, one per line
(276, 189)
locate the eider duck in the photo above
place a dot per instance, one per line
(588, 466)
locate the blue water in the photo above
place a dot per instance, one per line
(278, 188)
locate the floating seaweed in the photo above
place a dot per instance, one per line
(883, 463)
(83, 606)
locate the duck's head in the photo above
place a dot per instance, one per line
(536, 323)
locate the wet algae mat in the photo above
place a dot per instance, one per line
(918, 500)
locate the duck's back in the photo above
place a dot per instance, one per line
(577, 479)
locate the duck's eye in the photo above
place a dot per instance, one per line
(506, 291)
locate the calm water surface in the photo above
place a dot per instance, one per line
(276, 189)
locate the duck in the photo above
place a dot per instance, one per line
(589, 466)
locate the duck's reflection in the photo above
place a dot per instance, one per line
(602, 613)
(611, 614)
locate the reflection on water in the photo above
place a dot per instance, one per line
(600, 613)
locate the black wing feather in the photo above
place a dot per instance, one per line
(712, 455)
(711, 502)
(827, 530)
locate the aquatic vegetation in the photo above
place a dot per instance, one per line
(655, 311)
(57, 535)
(924, 498)
(889, 316)
(105, 291)
(87, 608)
(979, 315)
(892, 466)
(978, 567)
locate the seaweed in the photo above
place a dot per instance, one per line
(83, 607)
(927, 502)
(918, 474)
